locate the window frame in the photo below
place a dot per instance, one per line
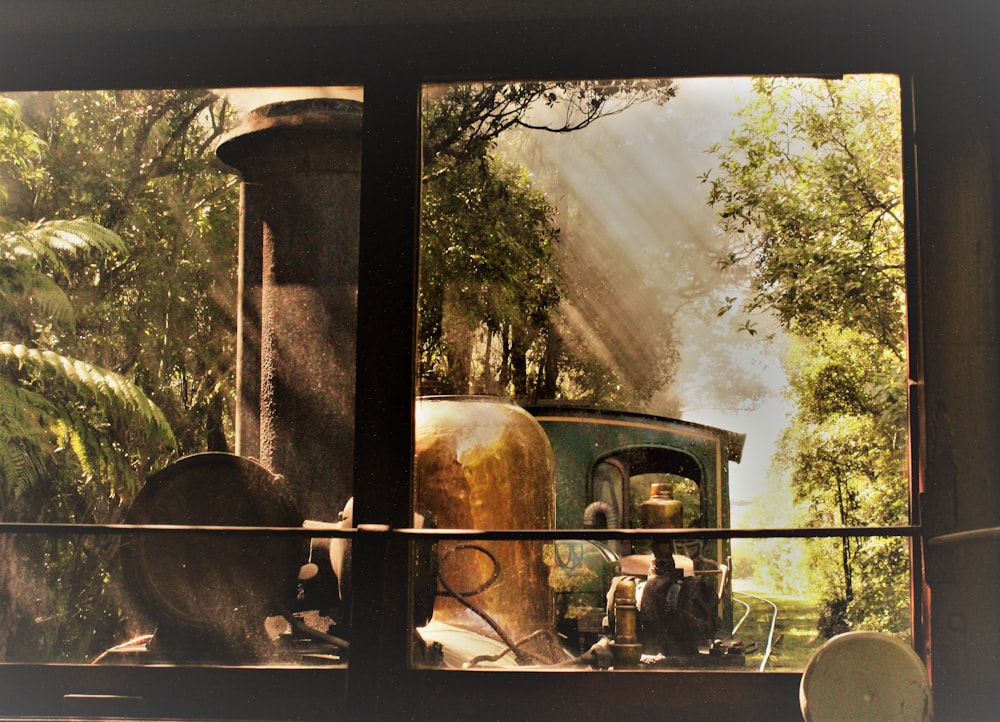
(379, 680)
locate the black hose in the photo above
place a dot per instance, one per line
(482, 587)
(521, 656)
(570, 660)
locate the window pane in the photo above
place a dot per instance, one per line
(168, 306)
(175, 598)
(611, 611)
(696, 288)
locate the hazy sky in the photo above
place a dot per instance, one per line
(628, 189)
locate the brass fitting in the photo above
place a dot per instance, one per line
(625, 649)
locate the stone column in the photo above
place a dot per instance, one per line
(248, 322)
(304, 161)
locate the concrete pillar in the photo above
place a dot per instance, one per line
(304, 161)
(248, 321)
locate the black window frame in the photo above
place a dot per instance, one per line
(392, 62)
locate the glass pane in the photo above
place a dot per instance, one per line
(694, 286)
(607, 611)
(182, 303)
(174, 598)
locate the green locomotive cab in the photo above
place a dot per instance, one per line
(609, 465)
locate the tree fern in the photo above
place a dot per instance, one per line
(29, 256)
(49, 401)
(51, 241)
(109, 396)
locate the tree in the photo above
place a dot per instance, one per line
(73, 435)
(845, 451)
(142, 163)
(464, 121)
(490, 292)
(809, 188)
(487, 278)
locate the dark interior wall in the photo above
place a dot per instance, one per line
(123, 15)
(83, 43)
(957, 152)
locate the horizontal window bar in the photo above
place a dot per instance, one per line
(132, 529)
(966, 537)
(499, 534)
(684, 533)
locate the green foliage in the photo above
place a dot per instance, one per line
(29, 295)
(146, 297)
(20, 149)
(486, 277)
(809, 188)
(142, 163)
(122, 404)
(49, 398)
(490, 291)
(845, 452)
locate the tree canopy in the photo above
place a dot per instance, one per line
(809, 189)
(490, 286)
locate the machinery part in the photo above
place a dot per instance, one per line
(678, 609)
(600, 515)
(483, 463)
(522, 656)
(865, 676)
(676, 614)
(661, 510)
(625, 649)
(211, 599)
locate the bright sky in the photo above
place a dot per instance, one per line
(638, 174)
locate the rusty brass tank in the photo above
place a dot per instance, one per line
(482, 463)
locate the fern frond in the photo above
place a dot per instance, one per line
(119, 399)
(49, 240)
(19, 471)
(21, 436)
(50, 301)
(26, 288)
(77, 436)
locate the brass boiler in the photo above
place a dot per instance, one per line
(482, 463)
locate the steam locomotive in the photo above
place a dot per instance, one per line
(481, 463)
